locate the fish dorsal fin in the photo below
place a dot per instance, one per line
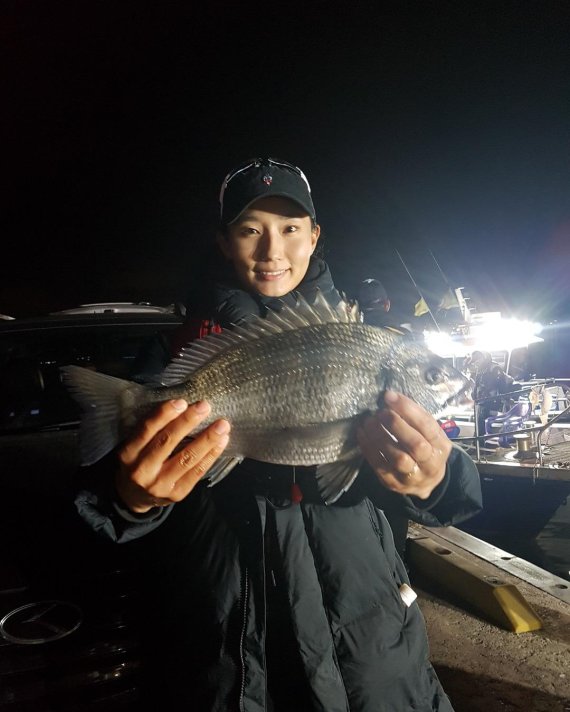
(286, 318)
(321, 311)
(200, 352)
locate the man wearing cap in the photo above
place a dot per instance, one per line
(372, 296)
(258, 596)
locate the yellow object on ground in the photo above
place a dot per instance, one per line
(501, 603)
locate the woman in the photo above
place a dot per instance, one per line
(275, 601)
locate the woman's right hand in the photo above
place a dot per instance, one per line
(150, 475)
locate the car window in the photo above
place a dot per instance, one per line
(31, 392)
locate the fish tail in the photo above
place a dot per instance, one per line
(103, 400)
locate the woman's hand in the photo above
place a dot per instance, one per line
(149, 474)
(405, 446)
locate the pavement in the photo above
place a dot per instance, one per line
(487, 668)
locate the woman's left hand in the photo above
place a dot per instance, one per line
(405, 446)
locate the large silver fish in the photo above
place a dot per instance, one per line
(292, 385)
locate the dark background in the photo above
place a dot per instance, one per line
(422, 126)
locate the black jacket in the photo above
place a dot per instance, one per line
(258, 603)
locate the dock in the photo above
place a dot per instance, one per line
(485, 666)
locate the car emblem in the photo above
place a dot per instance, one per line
(40, 622)
(268, 180)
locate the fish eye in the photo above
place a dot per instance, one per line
(435, 375)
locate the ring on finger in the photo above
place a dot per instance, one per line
(413, 471)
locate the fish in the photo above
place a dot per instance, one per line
(293, 385)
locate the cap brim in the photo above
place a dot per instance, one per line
(277, 194)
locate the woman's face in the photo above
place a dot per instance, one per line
(270, 246)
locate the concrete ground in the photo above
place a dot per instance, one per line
(485, 668)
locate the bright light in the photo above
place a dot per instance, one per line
(505, 334)
(489, 332)
(445, 345)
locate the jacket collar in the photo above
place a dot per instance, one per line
(233, 305)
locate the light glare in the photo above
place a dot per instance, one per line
(492, 334)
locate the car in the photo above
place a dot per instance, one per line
(68, 633)
(123, 308)
(32, 351)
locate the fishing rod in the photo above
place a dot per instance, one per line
(443, 275)
(422, 299)
(453, 297)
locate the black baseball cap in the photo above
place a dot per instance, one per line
(372, 291)
(261, 178)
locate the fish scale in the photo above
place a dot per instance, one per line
(292, 385)
(304, 375)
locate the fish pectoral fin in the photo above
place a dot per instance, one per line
(335, 478)
(222, 467)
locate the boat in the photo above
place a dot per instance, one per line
(524, 464)
(522, 448)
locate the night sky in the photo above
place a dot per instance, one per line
(422, 126)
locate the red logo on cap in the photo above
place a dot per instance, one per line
(268, 180)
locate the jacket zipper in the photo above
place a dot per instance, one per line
(379, 533)
(241, 639)
(263, 555)
(374, 522)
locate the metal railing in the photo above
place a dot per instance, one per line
(538, 430)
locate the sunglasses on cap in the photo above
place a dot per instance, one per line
(257, 163)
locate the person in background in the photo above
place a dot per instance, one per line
(490, 381)
(373, 300)
(258, 596)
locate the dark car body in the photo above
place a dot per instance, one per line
(73, 581)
